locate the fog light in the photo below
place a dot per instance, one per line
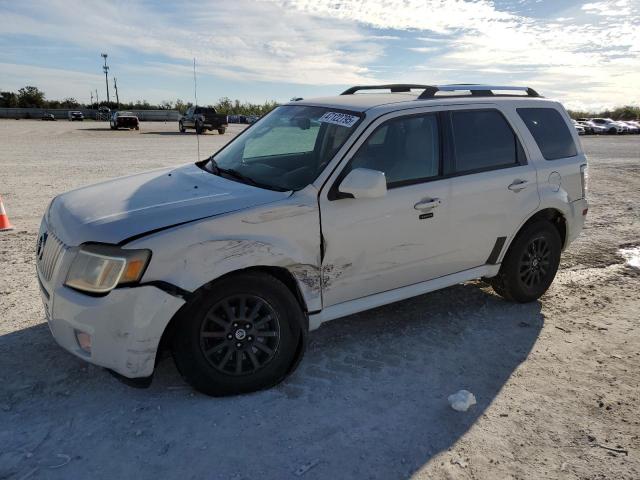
(84, 341)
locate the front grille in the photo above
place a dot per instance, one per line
(49, 252)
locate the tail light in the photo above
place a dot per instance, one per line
(584, 178)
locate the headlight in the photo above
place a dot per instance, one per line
(101, 268)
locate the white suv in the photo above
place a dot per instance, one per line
(323, 208)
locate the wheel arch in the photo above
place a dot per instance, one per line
(553, 215)
(282, 274)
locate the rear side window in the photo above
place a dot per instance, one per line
(482, 140)
(550, 132)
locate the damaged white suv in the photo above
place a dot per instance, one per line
(323, 208)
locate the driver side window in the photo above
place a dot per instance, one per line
(406, 149)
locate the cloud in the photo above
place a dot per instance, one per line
(614, 8)
(579, 61)
(588, 56)
(57, 83)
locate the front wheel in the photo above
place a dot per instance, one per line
(181, 127)
(530, 265)
(240, 336)
(221, 131)
(199, 129)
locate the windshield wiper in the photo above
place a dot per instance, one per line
(219, 171)
(246, 179)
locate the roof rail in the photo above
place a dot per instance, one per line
(476, 90)
(394, 87)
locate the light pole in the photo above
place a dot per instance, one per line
(106, 73)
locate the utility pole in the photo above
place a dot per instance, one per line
(91, 104)
(97, 99)
(106, 73)
(115, 87)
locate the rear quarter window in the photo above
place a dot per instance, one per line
(550, 131)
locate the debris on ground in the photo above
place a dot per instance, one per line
(462, 400)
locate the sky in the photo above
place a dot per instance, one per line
(585, 54)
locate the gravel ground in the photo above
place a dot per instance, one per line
(557, 381)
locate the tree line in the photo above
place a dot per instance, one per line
(33, 97)
(628, 112)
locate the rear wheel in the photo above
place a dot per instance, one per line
(530, 265)
(181, 127)
(239, 337)
(221, 131)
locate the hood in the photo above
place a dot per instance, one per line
(113, 211)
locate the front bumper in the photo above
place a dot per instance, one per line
(125, 325)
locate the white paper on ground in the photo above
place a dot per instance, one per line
(462, 400)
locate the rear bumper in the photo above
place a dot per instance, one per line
(125, 326)
(575, 219)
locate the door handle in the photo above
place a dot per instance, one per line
(427, 203)
(518, 185)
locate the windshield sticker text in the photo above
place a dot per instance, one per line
(342, 119)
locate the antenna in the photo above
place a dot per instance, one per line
(115, 87)
(195, 96)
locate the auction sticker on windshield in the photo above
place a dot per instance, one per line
(342, 119)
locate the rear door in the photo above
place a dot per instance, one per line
(493, 185)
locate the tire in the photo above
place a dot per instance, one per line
(530, 265)
(222, 130)
(137, 127)
(181, 127)
(112, 127)
(199, 129)
(612, 131)
(214, 331)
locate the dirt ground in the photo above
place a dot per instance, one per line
(557, 381)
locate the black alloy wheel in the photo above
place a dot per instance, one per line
(240, 334)
(534, 263)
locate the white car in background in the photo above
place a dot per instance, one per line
(592, 128)
(612, 126)
(372, 199)
(633, 127)
(579, 128)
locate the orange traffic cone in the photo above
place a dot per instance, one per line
(4, 220)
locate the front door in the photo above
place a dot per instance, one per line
(377, 244)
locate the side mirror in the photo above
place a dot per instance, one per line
(364, 183)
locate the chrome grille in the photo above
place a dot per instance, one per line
(49, 252)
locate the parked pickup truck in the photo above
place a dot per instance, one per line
(202, 119)
(324, 208)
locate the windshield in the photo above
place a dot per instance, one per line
(288, 148)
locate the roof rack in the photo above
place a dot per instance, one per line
(429, 91)
(394, 87)
(476, 90)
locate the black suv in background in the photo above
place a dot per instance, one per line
(201, 119)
